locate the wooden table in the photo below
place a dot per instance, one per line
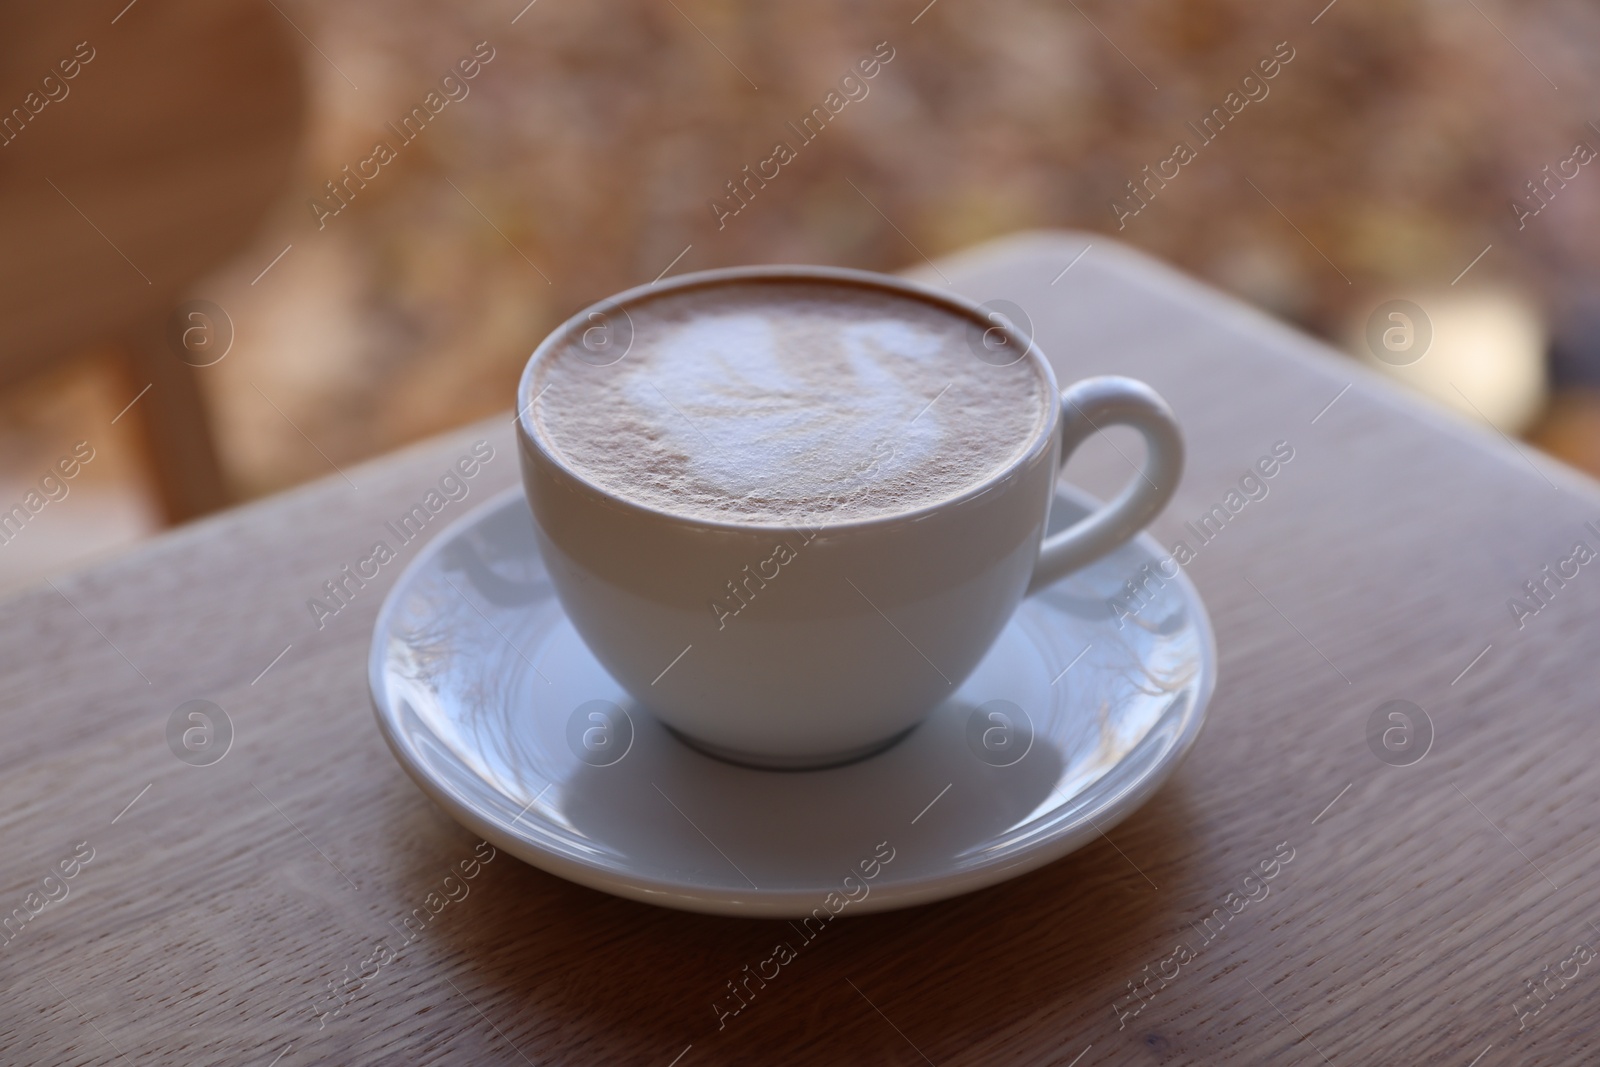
(221, 901)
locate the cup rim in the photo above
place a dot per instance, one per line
(529, 434)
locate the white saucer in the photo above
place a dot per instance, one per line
(488, 697)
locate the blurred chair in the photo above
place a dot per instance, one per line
(122, 185)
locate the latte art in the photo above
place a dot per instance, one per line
(794, 402)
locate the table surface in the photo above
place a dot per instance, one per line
(222, 903)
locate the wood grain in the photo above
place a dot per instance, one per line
(1418, 899)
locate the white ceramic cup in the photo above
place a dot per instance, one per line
(867, 625)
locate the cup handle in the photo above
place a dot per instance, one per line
(1085, 408)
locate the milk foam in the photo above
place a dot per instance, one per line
(795, 402)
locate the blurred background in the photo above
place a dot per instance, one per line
(214, 277)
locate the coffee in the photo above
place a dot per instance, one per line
(786, 402)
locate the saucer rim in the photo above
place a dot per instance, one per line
(790, 903)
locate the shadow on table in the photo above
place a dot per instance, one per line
(950, 975)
